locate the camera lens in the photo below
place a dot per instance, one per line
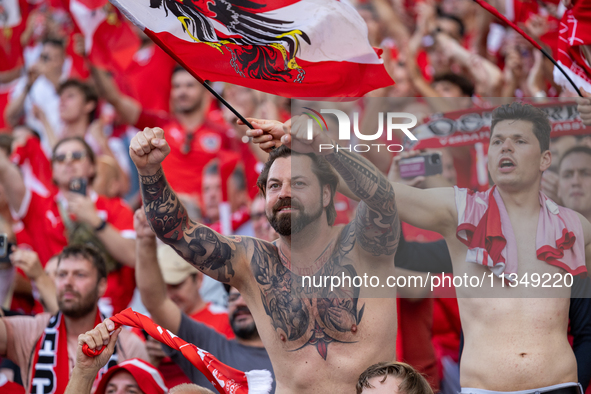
(435, 158)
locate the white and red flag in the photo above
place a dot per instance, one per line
(292, 48)
(574, 43)
(108, 38)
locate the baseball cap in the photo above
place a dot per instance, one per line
(149, 380)
(174, 268)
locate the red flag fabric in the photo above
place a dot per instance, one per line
(574, 35)
(225, 379)
(108, 39)
(13, 21)
(292, 48)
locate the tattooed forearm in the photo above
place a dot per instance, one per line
(376, 223)
(365, 180)
(198, 244)
(377, 233)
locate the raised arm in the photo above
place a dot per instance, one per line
(28, 261)
(222, 258)
(429, 209)
(13, 182)
(149, 278)
(127, 108)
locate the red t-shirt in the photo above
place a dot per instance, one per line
(215, 317)
(184, 168)
(48, 235)
(149, 64)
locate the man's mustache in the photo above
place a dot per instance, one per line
(286, 202)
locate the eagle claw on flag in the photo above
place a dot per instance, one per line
(292, 48)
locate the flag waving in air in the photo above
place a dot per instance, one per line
(293, 48)
(108, 38)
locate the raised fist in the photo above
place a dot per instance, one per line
(148, 149)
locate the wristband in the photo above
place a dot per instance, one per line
(100, 226)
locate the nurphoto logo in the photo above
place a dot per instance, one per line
(392, 123)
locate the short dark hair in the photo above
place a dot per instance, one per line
(526, 112)
(56, 42)
(176, 69)
(412, 381)
(6, 143)
(88, 91)
(575, 149)
(86, 252)
(465, 85)
(212, 169)
(458, 21)
(321, 168)
(239, 178)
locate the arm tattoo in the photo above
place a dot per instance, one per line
(198, 244)
(377, 223)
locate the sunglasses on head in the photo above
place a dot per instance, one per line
(74, 156)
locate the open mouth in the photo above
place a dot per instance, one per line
(506, 164)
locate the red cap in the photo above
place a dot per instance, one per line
(148, 378)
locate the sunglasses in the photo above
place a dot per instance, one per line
(74, 156)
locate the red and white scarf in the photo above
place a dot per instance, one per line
(573, 35)
(51, 370)
(485, 228)
(225, 379)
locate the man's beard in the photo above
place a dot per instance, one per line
(287, 225)
(188, 109)
(243, 331)
(81, 308)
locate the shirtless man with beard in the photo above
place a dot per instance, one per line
(309, 332)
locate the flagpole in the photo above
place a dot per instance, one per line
(173, 55)
(223, 101)
(496, 13)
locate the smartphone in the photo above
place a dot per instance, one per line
(78, 185)
(426, 164)
(5, 248)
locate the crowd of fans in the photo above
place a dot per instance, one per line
(66, 179)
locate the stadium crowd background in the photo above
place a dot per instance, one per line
(449, 48)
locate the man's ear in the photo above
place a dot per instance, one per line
(89, 107)
(326, 195)
(102, 287)
(545, 161)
